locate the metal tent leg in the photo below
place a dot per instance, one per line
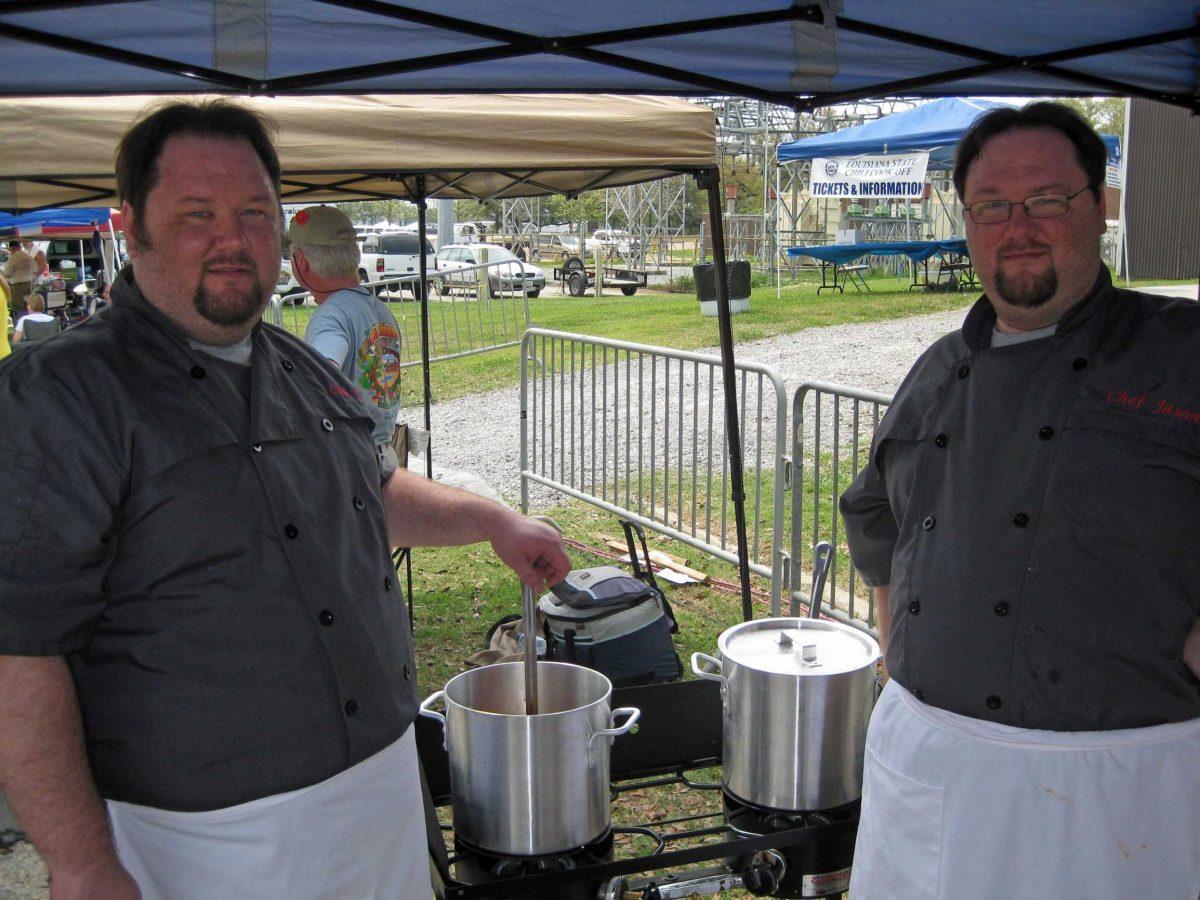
(710, 180)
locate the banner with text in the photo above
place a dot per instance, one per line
(892, 175)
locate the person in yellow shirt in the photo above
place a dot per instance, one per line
(5, 293)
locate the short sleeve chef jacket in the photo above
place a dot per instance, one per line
(218, 577)
(1035, 509)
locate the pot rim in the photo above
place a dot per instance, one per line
(870, 643)
(545, 716)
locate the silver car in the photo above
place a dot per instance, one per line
(506, 273)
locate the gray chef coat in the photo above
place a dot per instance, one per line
(216, 573)
(1035, 509)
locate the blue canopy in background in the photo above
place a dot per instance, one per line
(936, 126)
(68, 217)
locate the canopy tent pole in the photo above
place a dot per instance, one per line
(710, 181)
(955, 225)
(778, 249)
(422, 263)
(114, 265)
(1122, 260)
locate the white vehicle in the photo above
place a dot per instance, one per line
(287, 287)
(610, 242)
(389, 256)
(613, 239)
(513, 276)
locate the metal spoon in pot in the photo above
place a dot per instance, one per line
(529, 612)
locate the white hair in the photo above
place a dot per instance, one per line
(337, 261)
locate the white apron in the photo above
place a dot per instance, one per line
(956, 808)
(360, 834)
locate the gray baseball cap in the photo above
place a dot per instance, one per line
(321, 226)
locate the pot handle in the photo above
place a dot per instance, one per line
(624, 728)
(698, 658)
(424, 710)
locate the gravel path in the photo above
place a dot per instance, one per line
(875, 356)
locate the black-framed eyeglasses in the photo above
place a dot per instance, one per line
(1043, 206)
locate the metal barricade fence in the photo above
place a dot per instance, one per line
(463, 319)
(472, 309)
(832, 429)
(639, 431)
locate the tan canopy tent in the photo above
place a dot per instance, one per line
(59, 151)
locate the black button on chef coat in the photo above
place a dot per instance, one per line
(1088, 441)
(189, 582)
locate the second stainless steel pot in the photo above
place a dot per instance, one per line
(526, 785)
(796, 698)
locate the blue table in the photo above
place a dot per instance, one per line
(838, 258)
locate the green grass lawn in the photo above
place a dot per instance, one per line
(667, 320)
(459, 592)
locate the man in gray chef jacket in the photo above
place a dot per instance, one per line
(1028, 520)
(208, 680)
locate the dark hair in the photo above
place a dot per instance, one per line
(14, 243)
(1090, 152)
(140, 148)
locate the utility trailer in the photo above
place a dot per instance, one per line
(576, 278)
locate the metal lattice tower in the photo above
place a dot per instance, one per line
(655, 213)
(749, 133)
(521, 218)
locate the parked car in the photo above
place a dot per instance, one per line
(393, 254)
(287, 287)
(614, 239)
(610, 243)
(515, 275)
(74, 251)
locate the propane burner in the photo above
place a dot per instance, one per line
(474, 866)
(819, 868)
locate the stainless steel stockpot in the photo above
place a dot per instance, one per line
(524, 785)
(796, 698)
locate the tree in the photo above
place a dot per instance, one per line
(1105, 114)
(587, 208)
(474, 211)
(370, 212)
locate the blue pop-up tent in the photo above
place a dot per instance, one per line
(76, 217)
(936, 126)
(802, 53)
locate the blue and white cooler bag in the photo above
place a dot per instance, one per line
(608, 620)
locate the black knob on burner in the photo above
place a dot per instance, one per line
(760, 879)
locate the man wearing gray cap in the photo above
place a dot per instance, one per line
(352, 328)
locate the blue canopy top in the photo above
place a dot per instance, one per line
(73, 217)
(808, 53)
(936, 126)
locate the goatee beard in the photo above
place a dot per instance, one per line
(232, 310)
(1028, 292)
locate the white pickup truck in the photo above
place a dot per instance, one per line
(394, 254)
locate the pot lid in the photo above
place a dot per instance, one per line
(798, 647)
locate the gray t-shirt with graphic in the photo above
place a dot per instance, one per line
(359, 334)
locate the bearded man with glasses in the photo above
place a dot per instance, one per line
(1028, 521)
